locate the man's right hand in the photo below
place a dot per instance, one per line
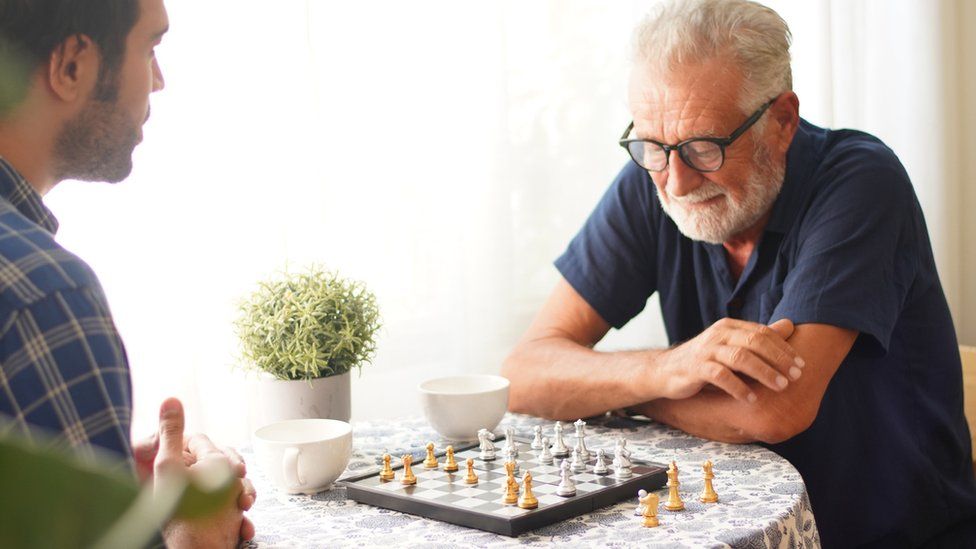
(222, 529)
(724, 351)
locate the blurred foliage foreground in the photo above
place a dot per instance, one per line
(53, 499)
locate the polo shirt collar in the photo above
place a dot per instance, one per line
(18, 192)
(799, 167)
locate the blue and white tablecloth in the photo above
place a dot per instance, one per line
(762, 499)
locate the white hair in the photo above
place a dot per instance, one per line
(678, 32)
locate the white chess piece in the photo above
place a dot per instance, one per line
(578, 466)
(484, 443)
(580, 443)
(545, 457)
(537, 439)
(566, 486)
(600, 468)
(559, 448)
(511, 446)
(510, 458)
(641, 494)
(621, 460)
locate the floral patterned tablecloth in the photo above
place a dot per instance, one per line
(762, 499)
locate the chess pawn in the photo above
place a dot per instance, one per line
(559, 448)
(577, 465)
(431, 461)
(470, 478)
(674, 502)
(649, 502)
(511, 446)
(545, 457)
(580, 436)
(408, 476)
(387, 472)
(528, 499)
(708, 494)
(600, 468)
(451, 466)
(639, 511)
(537, 439)
(566, 486)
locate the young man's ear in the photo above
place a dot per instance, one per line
(73, 68)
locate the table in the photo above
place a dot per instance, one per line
(762, 499)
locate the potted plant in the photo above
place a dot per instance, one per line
(304, 332)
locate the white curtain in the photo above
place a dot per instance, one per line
(444, 153)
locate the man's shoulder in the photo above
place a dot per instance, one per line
(32, 264)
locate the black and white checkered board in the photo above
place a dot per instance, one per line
(446, 497)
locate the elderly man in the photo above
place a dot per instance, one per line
(796, 281)
(74, 95)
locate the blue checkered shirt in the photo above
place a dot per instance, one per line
(62, 363)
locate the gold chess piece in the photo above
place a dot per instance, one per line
(511, 485)
(649, 513)
(674, 499)
(431, 461)
(471, 478)
(451, 465)
(387, 472)
(708, 494)
(528, 499)
(408, 476)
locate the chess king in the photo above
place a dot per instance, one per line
(796, 281)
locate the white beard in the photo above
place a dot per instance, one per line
(727, 217)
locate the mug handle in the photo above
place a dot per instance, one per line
(293, 476)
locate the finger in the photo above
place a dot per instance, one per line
(247, 529)
(236, 461)
(171, 423)
(145, 449)
(742, 360)
(247, 496)
(767, 344)
(784, 327)
(723, 378)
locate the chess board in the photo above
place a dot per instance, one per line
(446, 497)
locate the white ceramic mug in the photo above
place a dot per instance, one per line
(458, 406)
(304, 455)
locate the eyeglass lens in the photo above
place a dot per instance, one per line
(700, 155)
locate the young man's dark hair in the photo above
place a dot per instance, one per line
(31, 29)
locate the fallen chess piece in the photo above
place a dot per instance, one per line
(639, 511)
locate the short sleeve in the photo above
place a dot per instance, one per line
(610, 261)
(856, 255)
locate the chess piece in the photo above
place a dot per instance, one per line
(510, 459)
(484, 443)
(431, 461)
(559, 448)
(674, 498)
(639, 511)
(708, 494)
(545, 457)
(649, 502)
(537, 439)
(566, 486)
(601, 463)
(408, 476)
(451, 466)
(387, 472)
(528, 499)
(577, 465)
(621, 460)
(511, 446)
(471, 478)
(580, 435)
(511, 485)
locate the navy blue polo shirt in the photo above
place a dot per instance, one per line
(888, 458)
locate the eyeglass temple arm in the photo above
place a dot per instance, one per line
(627, 131)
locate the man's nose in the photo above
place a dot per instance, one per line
(682, 179)
(158, 81)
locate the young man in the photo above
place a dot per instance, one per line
(77, 81)
(796, 280)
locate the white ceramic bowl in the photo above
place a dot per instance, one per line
(457, 406)
(303, 455)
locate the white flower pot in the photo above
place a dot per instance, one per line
(325, 397)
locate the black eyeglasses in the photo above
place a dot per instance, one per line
(705, 154)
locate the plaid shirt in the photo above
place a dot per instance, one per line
(62, 363)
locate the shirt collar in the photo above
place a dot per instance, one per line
(18, 192)
(800, 160)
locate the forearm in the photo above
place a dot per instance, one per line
(556, 378)
(709, 414)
